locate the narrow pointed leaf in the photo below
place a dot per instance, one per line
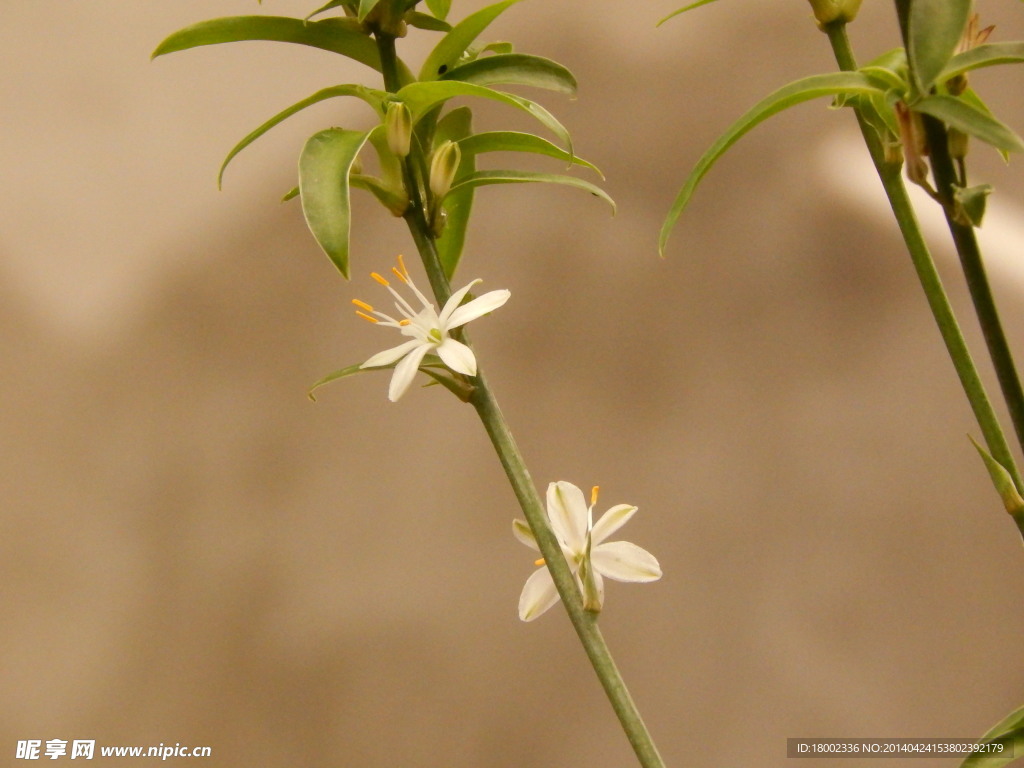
(457, 125)
(365, 6)
(515, 69)
(426, 21)
(1008, 734)
(439, 8)
(369, 96)
(338, 35)
(684, 9)
(846, 83)
(326, 7)
(1008, 492)
(986, 55)
(447, 52)
(958, 114)
(483, 178)
(351, 370)
(889, 70)
(324, 187)
(514, 141)
(421, 97)
(933, 31)
(291, 194)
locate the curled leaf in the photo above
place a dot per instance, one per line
(324, 167)
(482, 178)
(847, 84)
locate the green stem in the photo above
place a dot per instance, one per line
(486, 405)
(945, 175)
(892, 181)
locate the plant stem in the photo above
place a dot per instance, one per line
(967, 248)
(486, 405)
(924, 265)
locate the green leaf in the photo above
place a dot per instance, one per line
(291, 194)
(515, 69)
(393, 199)
(987, 55)
(451, 47)
(845, 83)
(933, 30)
(1008, 734)
(338, 35)
(425, 21)
(514, 141)
(1008, 492)
(365, 6)
(324, 167)
(457, 125)
(351, 370)
(483, 178)
(958, 114)
(689, 7)
(889, 70)
(422, 97)
(439, 8)
(326, 7)
(371, 97)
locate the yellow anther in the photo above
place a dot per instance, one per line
(539, 562)
(593, 494)
(379, 279)
(404, 322)
(362, 305)
(401, 265)
(367, 317)
(399, 275)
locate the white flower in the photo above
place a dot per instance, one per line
(572, 522)
(428, 329)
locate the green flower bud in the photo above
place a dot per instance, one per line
(398, 125)
(443, 166)
(829, 11)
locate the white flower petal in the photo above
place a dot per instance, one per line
(611, 521)
(567, 510)
(478, 307)
(405, 371)
(388, 356)
(457, 356)
(453, 303)
(538, 595)
(521, 530)
(623, 561)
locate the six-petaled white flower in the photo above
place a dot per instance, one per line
(580, 538)
(428, 329)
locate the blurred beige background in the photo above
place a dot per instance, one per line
(195, 553)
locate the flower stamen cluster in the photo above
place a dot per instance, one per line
(429, 330)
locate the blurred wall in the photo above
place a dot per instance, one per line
(195, 553)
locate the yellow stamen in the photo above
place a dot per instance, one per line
(539, 562)
(362, 305)
(379, 279)
(401, 265)
(399, 275)
(367, 317)
(593, 494)
(404, 322)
